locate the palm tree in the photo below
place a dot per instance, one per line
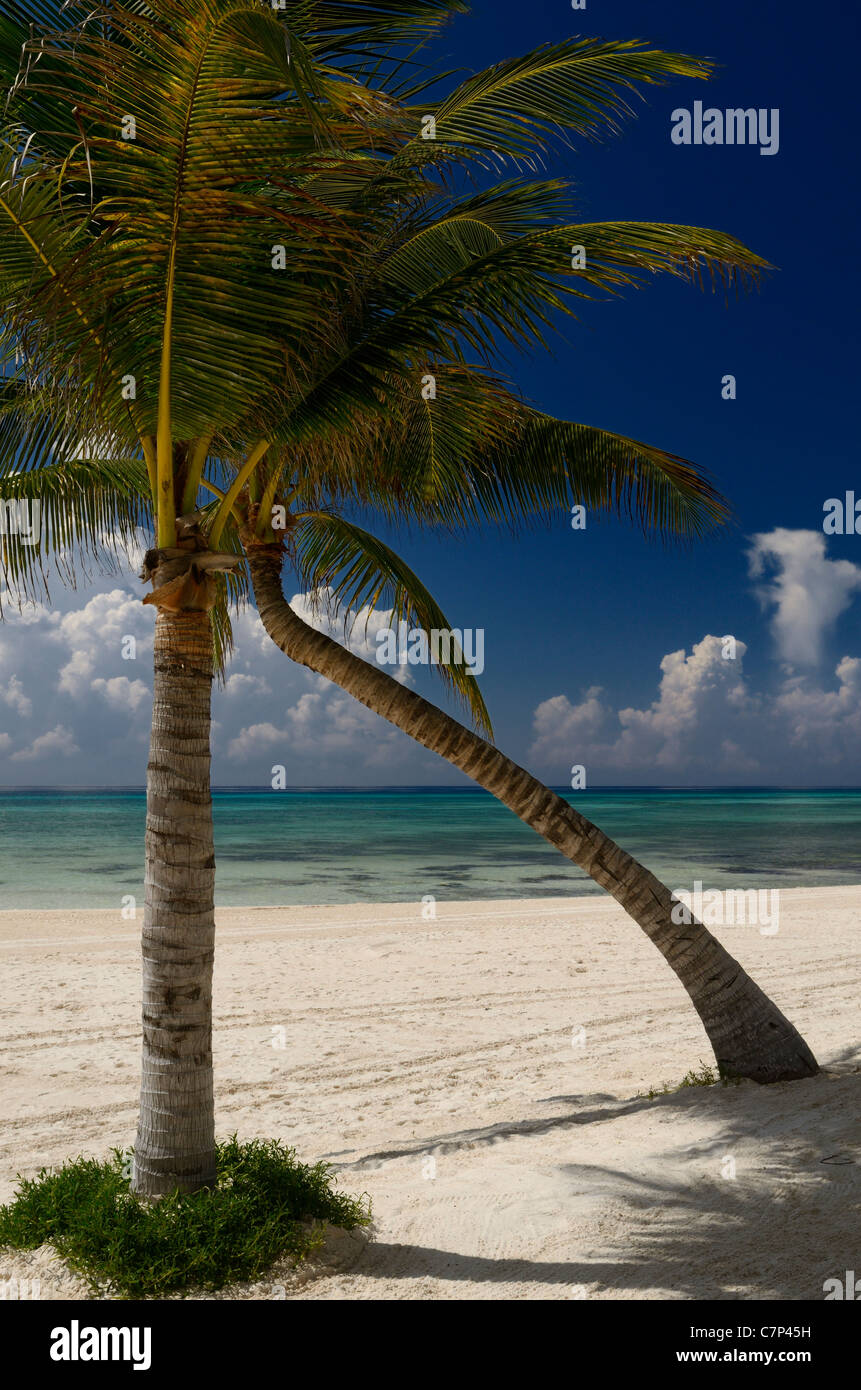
(150, 161)
(229, 257)
(749, 1035)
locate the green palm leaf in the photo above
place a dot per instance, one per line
(579, 85)
(94, 510)
(479, 454)
(445, 291)
(362, 571)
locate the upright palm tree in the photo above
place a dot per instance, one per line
(233, 247)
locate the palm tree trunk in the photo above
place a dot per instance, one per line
(175, 1146)
(749, 1034)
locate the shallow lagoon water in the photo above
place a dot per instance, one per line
(84, 849)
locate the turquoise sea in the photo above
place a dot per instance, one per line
(84, 849)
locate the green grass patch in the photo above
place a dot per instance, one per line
(706, 1076)
(265, 1205)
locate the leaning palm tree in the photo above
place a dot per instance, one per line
(231, 265)
(469, 451)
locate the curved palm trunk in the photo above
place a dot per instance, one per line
(175, 1147)
(749, 1034)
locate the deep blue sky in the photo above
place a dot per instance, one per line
(605, 606)
(564, 611)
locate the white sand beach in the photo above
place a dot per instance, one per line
(482, 1077)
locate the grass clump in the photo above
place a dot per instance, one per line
(706, 1076)
(265, 1205)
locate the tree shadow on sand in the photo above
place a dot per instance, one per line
(765, 1208)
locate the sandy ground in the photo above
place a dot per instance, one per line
(481, 1076)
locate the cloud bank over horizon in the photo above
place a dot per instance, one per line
(74, 707)
(706, 725)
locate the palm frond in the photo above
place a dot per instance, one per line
(459, 286)
(362, 572)
(579, 86)
(345, 28)
(92, 511)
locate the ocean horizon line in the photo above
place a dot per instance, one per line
(302, 788)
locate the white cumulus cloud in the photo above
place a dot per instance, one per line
(697, 691)
(120, 692)
(12, 694)
(806, 591)
(57, 742)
